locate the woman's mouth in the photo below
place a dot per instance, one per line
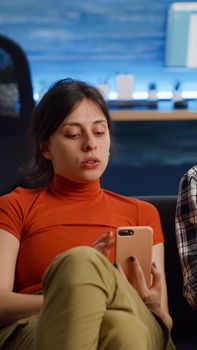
(90, 164)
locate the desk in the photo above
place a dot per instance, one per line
(153, 115)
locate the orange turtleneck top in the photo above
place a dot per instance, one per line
(51, 220)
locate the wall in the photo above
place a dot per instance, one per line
(93, 40)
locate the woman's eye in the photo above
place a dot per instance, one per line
(72, 136)
(99, 133)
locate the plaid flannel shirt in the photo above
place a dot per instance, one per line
(186, 233)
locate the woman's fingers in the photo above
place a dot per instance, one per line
(150, 295)
(104, 237)
(156, 280)
(104, 243)
(136, 277)
(120, 269)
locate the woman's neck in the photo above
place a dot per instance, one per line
(74, 190)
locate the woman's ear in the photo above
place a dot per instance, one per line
(44, 147)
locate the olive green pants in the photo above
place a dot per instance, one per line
(88, 306)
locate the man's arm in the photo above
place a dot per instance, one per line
(186, 233)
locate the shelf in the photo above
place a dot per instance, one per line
(134, 115)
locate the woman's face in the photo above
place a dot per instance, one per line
(79, 148)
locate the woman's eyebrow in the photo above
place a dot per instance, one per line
(80, 124)
(100, 121)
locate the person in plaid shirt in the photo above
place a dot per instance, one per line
(186, 233)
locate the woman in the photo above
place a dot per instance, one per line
(63, 229)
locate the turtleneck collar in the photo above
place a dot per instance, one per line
(74, 190)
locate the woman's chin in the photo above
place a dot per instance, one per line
(89, 176)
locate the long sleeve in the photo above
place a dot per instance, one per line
(186, 233)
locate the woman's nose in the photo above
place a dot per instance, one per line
(89, 143)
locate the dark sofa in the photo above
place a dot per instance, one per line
(185, 318)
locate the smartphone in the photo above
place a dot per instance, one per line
(134, 241)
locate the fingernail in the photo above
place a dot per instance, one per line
(115, 265)
(132, 258)
(154, 265)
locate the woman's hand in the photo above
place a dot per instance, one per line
(104, 243)
(150, 295)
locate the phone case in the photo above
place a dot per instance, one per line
(135, 241)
